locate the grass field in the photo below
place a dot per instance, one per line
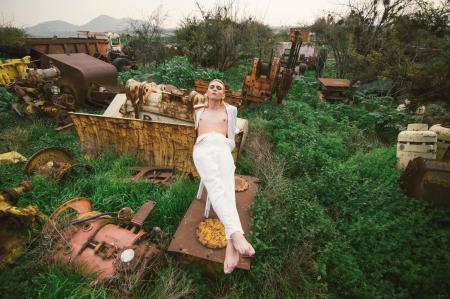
(330, 220)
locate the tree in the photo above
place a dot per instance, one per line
(146, 37)
(12, 39)
(403, 40)
(218, 38)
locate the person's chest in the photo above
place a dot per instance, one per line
(216, 118)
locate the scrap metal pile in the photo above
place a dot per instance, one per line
(65, 83)
(111, 245)
(152, 123)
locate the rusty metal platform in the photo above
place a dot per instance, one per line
(185, 241)
(334, 82)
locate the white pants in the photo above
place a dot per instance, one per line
(215, 164)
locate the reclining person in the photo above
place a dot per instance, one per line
(215, 122)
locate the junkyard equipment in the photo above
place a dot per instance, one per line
(209, 253)
(415, 142)
(310, 55)
(101, 45)
(284, 80)
(87, 79)
(333, 89)
(443, 139)
(265, 79)
(15, 223)
(13, 157)
(69, 81)
(37, 47)
(13, 69)
(305, 33)
(145, 100)
(428, 180)
(117, 54)
(97, 243)
(162, 135)
(260, 83)
(154, 175)
(38, 93)
(53, 162)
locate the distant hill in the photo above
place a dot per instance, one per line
(61, 28)
(106, 23)
(51, 27)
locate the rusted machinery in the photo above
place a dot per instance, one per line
(39, 94)
(305, 33)
(67, 82)
(164, 134)
(102, 45)
(201, 241)
(37, 47)
(53, 162)
(13, 69)
(15, 223)
(333, 89)
(310, 56)
(145, 99)
(428, 180)
(260, 83)
(154, 175)
(264, 79)
(98, 243)
(89, 80)
(12, 157)
(288, 67)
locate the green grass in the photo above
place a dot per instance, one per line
(330, 220)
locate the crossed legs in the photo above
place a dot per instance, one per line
(216, 168)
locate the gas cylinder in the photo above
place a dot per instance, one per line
(415, 142)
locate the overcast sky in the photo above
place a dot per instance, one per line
(25, 13)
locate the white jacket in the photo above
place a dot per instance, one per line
(232, 119)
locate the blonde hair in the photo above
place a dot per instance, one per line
(222, 102)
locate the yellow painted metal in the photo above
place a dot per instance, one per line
(13, 69)
(164, 141)
(415, 142)
(15, 224)
(443, 139)
(13, 157)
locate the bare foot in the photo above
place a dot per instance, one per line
(242, 245)
(231, 258)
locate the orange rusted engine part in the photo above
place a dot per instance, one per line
(95, 242)
(260, 83)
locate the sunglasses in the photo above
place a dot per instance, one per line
(218, 87)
